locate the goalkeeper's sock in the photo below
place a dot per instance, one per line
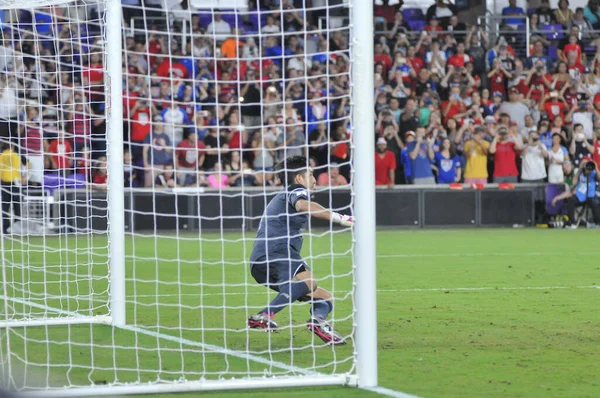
(288, 293)
(321, 308)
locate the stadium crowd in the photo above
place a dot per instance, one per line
(215, 104)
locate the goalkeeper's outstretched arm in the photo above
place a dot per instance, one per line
(318, 211)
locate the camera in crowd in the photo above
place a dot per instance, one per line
(589, 168)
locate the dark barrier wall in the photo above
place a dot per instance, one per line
(146, 211)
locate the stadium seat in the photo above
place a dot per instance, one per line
(413, 14)
(552, 52)
(531, 10)
(554, 32)
(416, 25)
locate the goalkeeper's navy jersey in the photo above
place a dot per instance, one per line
(279, 234)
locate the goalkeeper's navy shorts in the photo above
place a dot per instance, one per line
(273, 274)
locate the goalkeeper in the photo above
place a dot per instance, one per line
(275, 259)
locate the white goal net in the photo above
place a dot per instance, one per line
(127, 237)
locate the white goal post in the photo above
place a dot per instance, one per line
(97, 296)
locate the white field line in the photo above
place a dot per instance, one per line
(390, 393)
(261, 292)
(178, 340)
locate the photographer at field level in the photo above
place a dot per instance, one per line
(585, 185)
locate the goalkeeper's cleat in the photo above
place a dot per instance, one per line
(323, 329)
(262, 321)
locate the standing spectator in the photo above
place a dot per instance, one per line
(100, 179)
(512, 12)
(557, 155)
(385, 165)
(8, 102)
(563, 14)
(62, 154)
(586, 185)
(81, 124)
(218, 28)
(515, 108)
(504, 147)
(476, 152)
(264, 143)
(580, 147)
(405, 161)
(583, 113)
(240, 172)
(380, 57)
(447, 163)
(174, 119)
(333, 178)
(292, 142)
(592, 14)
(141, 117)
(250, 100)
(34, 146)
(190, 157)
(130, 174)
(216, 147)
(539, 55)
(157, 152)
(10, 184)
(421, 154)
(554, 107)
(441, 10)
(546, 16)
(534, 155)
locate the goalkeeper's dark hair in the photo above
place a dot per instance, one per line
(289, 168)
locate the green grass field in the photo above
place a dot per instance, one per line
(467, 313)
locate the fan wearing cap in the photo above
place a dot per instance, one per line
(385, 164)
(553, 105)
(421, 154)
(476, 151)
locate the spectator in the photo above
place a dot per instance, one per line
(166, 178)
(515, 108)
(477, 48)
(592, 14)
(596, 153)
(157, 152)
(141, 117)
(10, 184)
(218, 28)
(447, 163)
(498, 76)
(586, 185)
(190, 157)
(405, 160)
(534, 155)
(217, 179)
(554, 107)
(174, 119)
(442, 11)
(270, 27)
(380, 57)
(240, 172)
(557, 155)
(62, 154)
(292, 142)
(563, 14)
(265, 154)
(216, 147)
(130, 177)
(421, 154)
(580, 147)
(505, 147)
(100, 180)
(333, 177)
(34, 146)
(539, 55)
(512, 12)
(545, 13)
(476, 153)
(583, 113)
(385, 165)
